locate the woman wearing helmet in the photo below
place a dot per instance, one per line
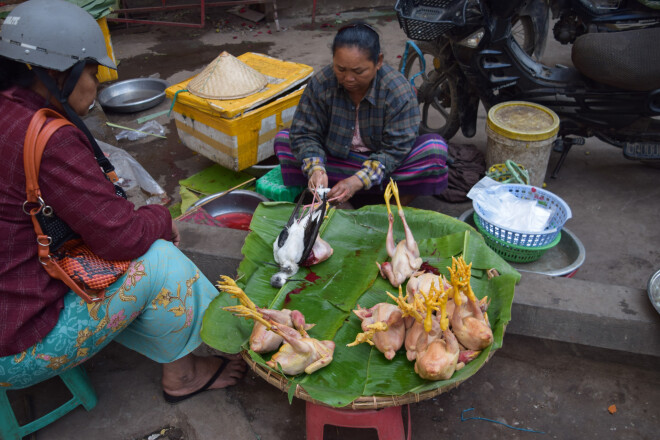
(49, 54)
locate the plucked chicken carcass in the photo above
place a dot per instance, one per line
(414, 316)
(470, 326)
(405, 259)
(424, 296)
(437, 354)
(413, 337)
(261, 339)
(300, 352)
(299, 243)
(383, 327)
(468, 321)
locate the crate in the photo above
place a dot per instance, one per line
(272, 186)
(427, 20)
(239, 133)
(236, 143)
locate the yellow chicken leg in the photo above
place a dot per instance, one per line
(395, 191)
(388, 196)
(227, 285)
(444, 320)
(247, 313)
(432, 302)
(368, 336)
(407, 308)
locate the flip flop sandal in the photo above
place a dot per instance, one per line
(172, 400)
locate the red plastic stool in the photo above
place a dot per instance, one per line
(387, 421)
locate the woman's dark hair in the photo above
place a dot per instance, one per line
(360, 35)
(13, 73)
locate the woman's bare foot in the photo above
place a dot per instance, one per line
(191, 373)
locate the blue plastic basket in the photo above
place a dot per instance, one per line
(560, 214)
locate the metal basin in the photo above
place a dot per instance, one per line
(239, 200)
(654, 290)
(562, 260)
(133, 95)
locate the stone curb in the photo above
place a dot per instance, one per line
(560, 309)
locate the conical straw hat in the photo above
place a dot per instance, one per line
(227, 77)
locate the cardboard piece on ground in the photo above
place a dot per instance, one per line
(245, 12)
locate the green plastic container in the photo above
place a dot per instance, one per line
(512, 252)
(272, 186)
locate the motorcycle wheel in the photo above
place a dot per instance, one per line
(530, 27)
(522, 30)
(437, 91)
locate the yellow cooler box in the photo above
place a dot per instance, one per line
(239, 133)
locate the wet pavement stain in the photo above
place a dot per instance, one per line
(625, 308)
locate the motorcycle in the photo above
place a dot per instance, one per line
(466, 51)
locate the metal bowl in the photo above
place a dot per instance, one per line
(654, 290)
(133, 95)
(239, 200)
(562, 260)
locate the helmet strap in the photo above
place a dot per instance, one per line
(63, 97)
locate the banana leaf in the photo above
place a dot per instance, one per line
(328, 292)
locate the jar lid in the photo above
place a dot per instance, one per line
(523, 121)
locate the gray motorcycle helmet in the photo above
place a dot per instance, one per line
(53, 34)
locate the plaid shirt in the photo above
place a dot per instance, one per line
(325, 120)
(72, 182)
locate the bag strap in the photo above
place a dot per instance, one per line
(37, 137)
(33, 147)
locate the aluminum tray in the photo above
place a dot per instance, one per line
(133, 95)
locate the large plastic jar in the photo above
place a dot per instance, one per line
(523, 132)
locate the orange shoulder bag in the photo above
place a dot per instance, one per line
(72, 262)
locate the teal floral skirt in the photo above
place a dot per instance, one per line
(155, 308)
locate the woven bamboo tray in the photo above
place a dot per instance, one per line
(361, 403)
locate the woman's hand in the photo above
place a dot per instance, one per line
(318, 179)
(176, 238)
(345, 189)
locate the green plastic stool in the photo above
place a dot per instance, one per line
(83, 394)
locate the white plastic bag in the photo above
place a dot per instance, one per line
(503, 209)
(151, 127)
(131, 173)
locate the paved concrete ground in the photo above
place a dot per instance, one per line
(574, 346)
